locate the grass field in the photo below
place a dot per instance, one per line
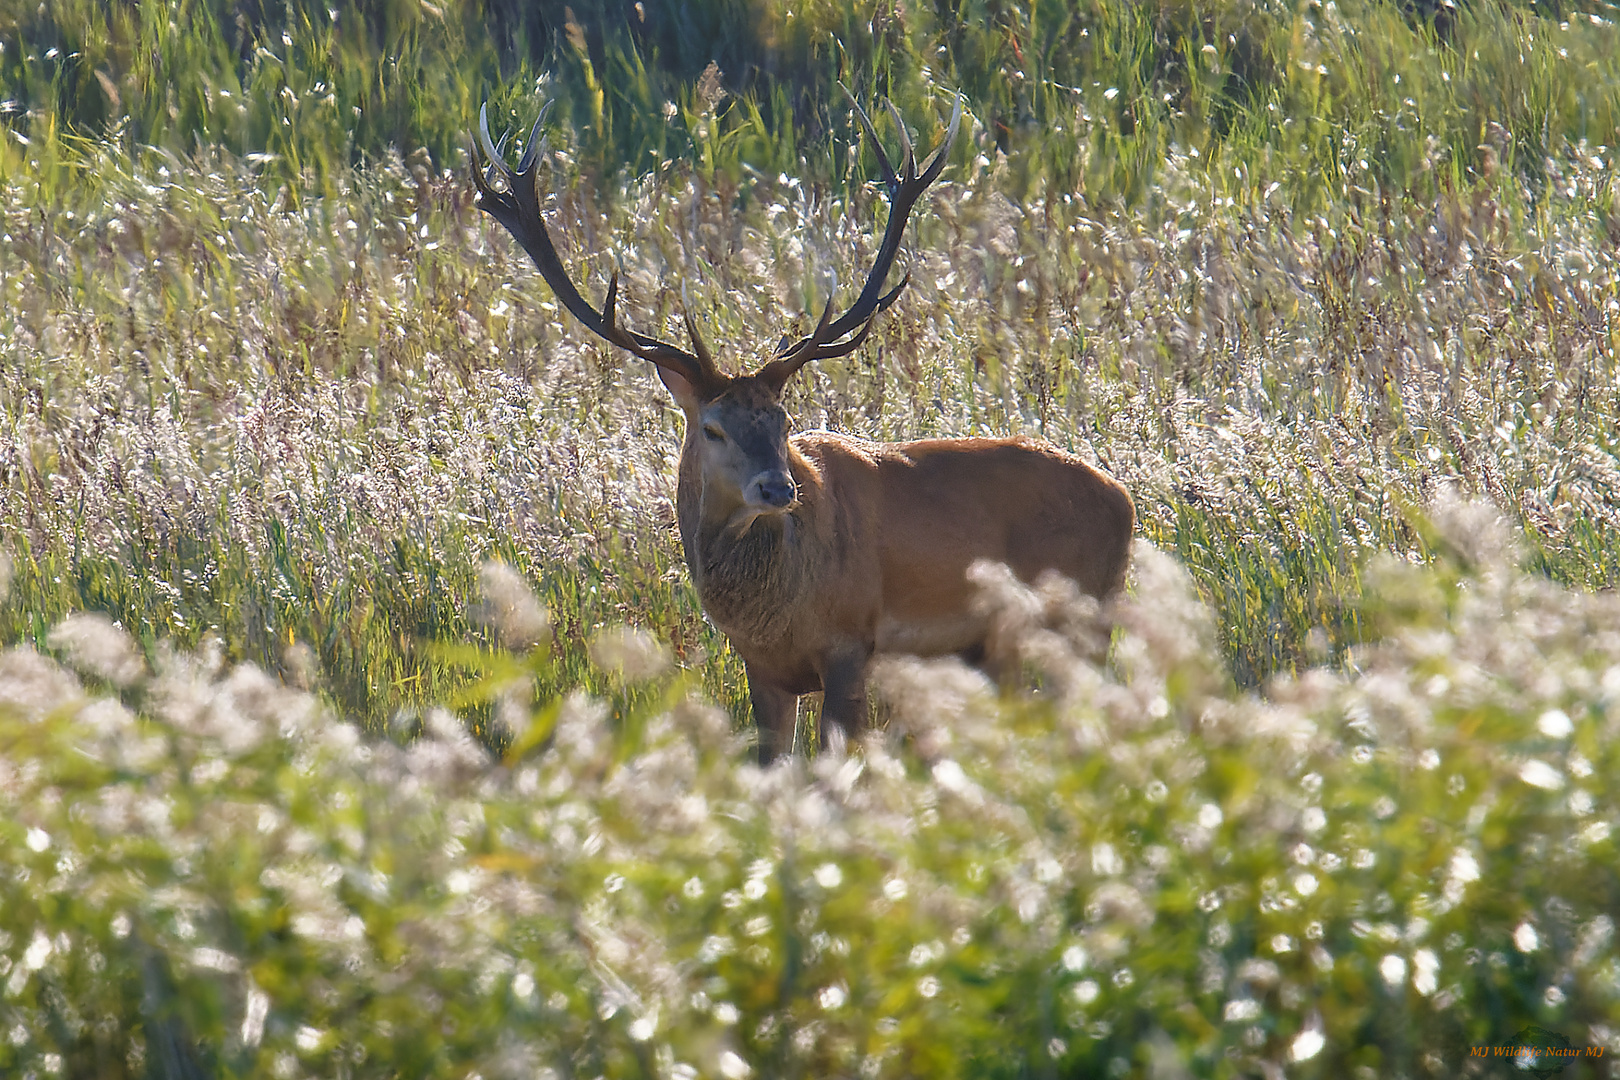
(1316, 284)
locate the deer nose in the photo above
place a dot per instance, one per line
(773, 489)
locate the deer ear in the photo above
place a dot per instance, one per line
(681, 388)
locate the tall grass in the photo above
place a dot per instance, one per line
(1083, 98)
(285, 421)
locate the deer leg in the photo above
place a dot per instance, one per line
(843, 703)
(776, 714)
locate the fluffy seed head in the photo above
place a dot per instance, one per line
(509, 607)
(632, 653)
(93, 644)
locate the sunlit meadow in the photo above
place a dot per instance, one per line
(357, 716)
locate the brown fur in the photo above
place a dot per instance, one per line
(873, 554)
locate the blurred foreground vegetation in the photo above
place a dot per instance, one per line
(1137, 872)
(268, 377)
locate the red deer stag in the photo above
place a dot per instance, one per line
(814, 551)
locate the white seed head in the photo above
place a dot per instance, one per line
(509, 607)
(1425, 971)
(1307, 1044)
(93, 644)
(1476, 530)
(632, 653)
(1555, 724)
(33, 685)
(1538, 773)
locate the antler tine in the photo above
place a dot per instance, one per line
(908, 163)
(645, 347)
(535, 148)
(483, 172)
(826, 315)
(833, 339)
(698, 347)
(848, 345)
(786, 347)
(518, 209)
(936, 164)
(889, 177)
(491, 154)
(610, 321)
(892, 295)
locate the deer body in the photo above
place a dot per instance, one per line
(814, 552)
(873, 555)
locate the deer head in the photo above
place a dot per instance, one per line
(736, 425)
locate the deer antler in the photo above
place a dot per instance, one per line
(838, 337)
(518, 208)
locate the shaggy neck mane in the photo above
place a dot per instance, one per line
(749, 581)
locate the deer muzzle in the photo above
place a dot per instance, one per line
(772, 490)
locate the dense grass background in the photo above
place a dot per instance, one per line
(1082, 97)
(274, 392)
(1282, 269)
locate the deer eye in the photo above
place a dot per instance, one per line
(713, 433)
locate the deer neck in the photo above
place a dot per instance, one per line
(749, 571)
